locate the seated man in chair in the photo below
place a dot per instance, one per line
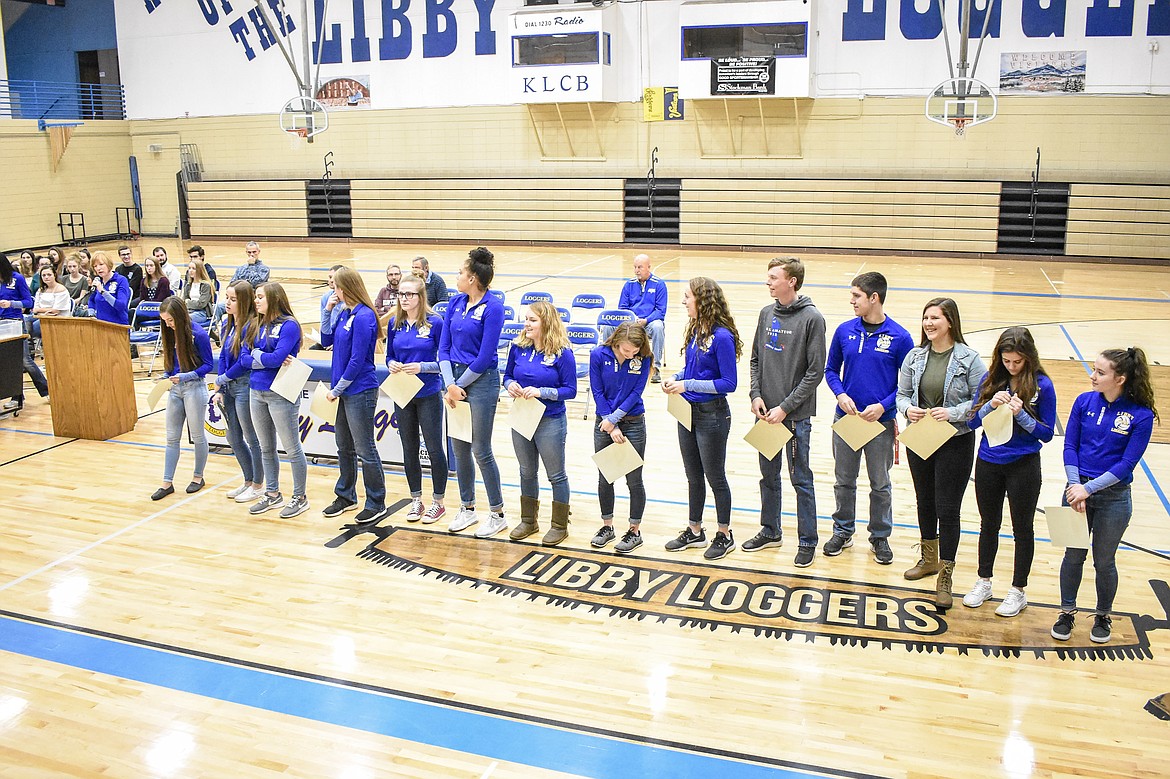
(645, 295)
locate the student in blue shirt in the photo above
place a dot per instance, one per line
(645, 295)
(15, 297)
(277, 341)
(187, 358)
(331, 307)
(712, 348)
(233, 389)
(470, 368)
(354, 386)
(541, 365)
(618, 370)
(1107, 433)
(110, 300)
(412, 347)
(1018, 380)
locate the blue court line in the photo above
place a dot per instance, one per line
(492, 734)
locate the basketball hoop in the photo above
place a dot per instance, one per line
(304, 116)
(303, 132)
(960, 124)
(961, 103)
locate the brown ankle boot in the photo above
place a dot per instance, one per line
(942, 586)
(529, 509)
(560, 525)
(928, 564)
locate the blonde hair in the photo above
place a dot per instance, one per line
(349, 282)
(552, 330)
(424, 308)
(101, 257)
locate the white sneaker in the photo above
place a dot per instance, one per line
(1013, 604)
(978, 594)
(494, 524)
(249, 495)
(416, 510)
(238, 491)
(463, 520)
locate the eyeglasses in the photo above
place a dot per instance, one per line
(408, 294)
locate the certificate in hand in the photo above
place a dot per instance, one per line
(402, 387)
(680, 409)
(616, 460)
(997, 426)
(157, 392)
(1067, 527)
(856, 432)
(321, 407)
(526, 415)
(290, 381)
(459, 421)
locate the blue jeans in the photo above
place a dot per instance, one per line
(187, 402)
(1108, 513)
(879, 459)
(704, 456)
(634, 429)
(426, 414)
(354, 432)
(800, 474)
(273, 415)
(241, 435)
(199, 317)
(657, 332)
(33, 370)
(483, 395)
(547, 444)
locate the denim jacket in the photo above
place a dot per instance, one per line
(964, 373)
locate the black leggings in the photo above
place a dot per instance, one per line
(1020, 481)
(939, 484)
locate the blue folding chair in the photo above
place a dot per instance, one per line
(582, 339)
(146, 330)
(528, 298)
(564, 312)
(612, 317)
(496, 294)
(440, 308)
(585, 308)
(509, 314)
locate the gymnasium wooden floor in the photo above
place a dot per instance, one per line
(188, 639)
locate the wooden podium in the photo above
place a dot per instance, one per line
(90, 377)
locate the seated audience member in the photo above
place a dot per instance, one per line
(436, 287)
(52, 299)
(75, 281)
(87, 263)
(35, 283)
(168, 269)
(131, 271)
(388, 295)
(253, 271)
(645, 295)
(27, 266)
(198, 293)
(109, 299)
(196, 253)
(155, 286)
(57, 258)
(331, 308)
(15, 297)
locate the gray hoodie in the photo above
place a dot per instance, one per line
(788, 357)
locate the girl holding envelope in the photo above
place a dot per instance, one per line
(187, 359)
(712, 348)
(353, 384)
(618, 371)
(412, 347)
(470, 367)
(233, 385)
(1107, 433)
(541, 366)
(278, 340)
(940, 377)
(1012, 469)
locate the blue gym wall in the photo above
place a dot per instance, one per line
(43, 42)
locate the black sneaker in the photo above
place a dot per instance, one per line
(881, 551)
(1102, 629)
(837, 544)
(1062, 630)
(722, 545)
(630, 541)
(760, 541)
(602, 537)
(367, 516)
(804, 556)
(337, 506)
(686, 540)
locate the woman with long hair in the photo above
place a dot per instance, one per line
(52, 299)
(278, 339)
(1018, 380)
(541, 366)
(618, 372)
(1106, 436)
(940, 377)
(187, 359)
(27, 264)
(57, 257)
(712, 347)
(354, 386)
(198, 292)
(15, 297)
(233, 389)
(412, 346)
(75, 281)
(155, 286)
(470, 367)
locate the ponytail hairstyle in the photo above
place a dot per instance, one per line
(349, 281)
(1017, 340)
(711, 312)
(243, 324)
(1132, 364)
(179, 340)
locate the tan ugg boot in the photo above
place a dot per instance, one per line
(560, 525)
(529, 508)
(928, 564)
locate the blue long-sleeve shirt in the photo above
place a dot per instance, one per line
(555, 377)
(234, 365)
(617, 387)
(421, 345)
(471, 335)
(1029, 432)
(329, 317)
(647, 300)
(111, 300)
(202, 351)
(709, 370)
(864, 365)
(1104, 441)
(353, 341)
(19, 296)
(274, 343)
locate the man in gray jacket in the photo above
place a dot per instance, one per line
(788, 362)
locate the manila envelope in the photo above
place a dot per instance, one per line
(856, 432)
(526, 415)
(768, 439)
(290, 381)
(925, 436)
(680, 409)
(321, 407)
(402, 387)
(997, 426)
(459, 420)
(616, 460)
(1067, 528)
